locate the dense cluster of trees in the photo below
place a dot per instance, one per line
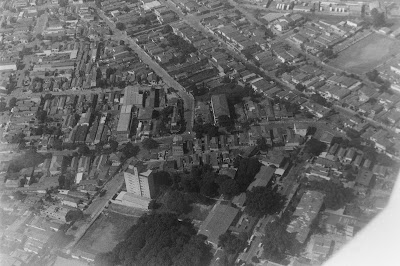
(203, 180)
(378, 18)
(314, 147)
(150, 144)
(13, 102)
(177, 202)
(328, 52)
(231, 243)
(74, 215)
(130, 150)
(320, 100)
(182, 46)
(264, 200)
(29, 159)
(205, 129)
(159, 239)
(121, 26)
(278, 243)
(336, 195)
(247, 169)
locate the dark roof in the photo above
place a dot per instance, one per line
(220, 105)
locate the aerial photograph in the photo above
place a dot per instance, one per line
(195, 132)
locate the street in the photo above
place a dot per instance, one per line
(94, 210)
(187, 97)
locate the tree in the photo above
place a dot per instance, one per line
(13, 102)
(336, 195)
(153, 205)
(209, 189)
(177, 203)
(247, 169)
(231, 243)
(63, 3)
(314, 147)
(121, 26)
(167, 29)
(150, 144)
(159, 239)
(74, 215)
(264, 200)
(378, 18)
(300, 87)
(328, 52)
(113, 145)
(18, 138)
(130, 150)
(84, 150)
(229, 188)
(372, 75)
(262, 144)
(277, 242)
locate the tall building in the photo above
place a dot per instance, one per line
(140, 184)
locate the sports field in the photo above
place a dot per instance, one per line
(105, 233)
(367, 54)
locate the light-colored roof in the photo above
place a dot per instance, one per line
(218, 222)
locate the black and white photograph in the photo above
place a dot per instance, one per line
(199, 132)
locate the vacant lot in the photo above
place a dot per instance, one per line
(367, 54)
(106, 232)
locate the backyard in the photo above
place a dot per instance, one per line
(367, 54)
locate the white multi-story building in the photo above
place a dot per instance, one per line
(140, 184)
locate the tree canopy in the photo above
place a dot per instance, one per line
(264, 200)
(314, 147)
(247, 169)
(277, 242)
(378, 18)
(130, 150)
(336, 195)
(231, 243)
(150, 144)
(121, 26)
(159, 239)
(13, 102)
(177, 203)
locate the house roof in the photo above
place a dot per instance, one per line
(364, 177)
(263, 177)
(305, 213)
(218, 222)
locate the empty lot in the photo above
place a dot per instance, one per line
(367, 54)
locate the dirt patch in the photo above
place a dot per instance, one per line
(367, 54)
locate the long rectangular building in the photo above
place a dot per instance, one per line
(219, 105)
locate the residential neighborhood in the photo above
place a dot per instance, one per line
(195, 132)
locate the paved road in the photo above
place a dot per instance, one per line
(369, 120)
(95, 209)
(20, 94)
(187, 97)
(194, 22)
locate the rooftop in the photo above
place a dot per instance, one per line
(218, 222)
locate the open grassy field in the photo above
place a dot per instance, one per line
(105, 233)
(367, 54)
